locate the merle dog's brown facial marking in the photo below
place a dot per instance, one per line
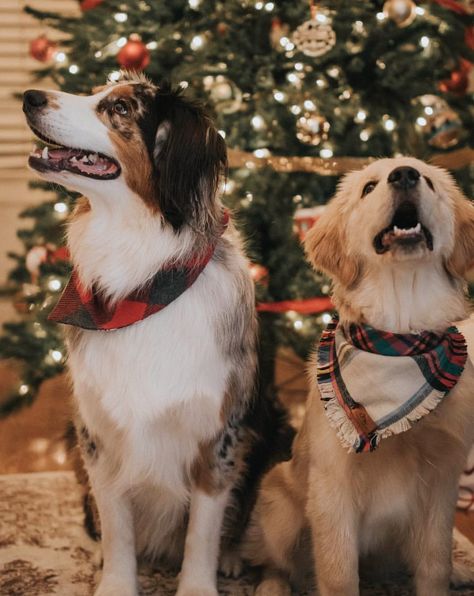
(170, 152)
(126, 111)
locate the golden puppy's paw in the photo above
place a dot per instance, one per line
(231, 564)
(273, 586)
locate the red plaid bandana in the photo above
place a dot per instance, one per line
(86, 309)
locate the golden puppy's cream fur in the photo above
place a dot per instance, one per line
(399, 501)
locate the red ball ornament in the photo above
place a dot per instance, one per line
(458, 82)
(134, 55)
(42, 48)
(89, 4)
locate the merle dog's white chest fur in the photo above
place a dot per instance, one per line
(157, 385)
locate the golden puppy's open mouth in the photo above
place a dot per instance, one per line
(57, 158)
(404, 230)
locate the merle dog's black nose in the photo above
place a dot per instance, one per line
(34, 99)
(404, 177)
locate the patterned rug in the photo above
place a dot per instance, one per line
(45, 550)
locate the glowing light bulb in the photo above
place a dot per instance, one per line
(298, 324)
(269, 6)
(60, 57)
(424, 41)
(258, 122)
(429, 110)
(326, 153)
(194, 3)
(364, 135)
(197, 42)
(421, 121)
(299, 66)
(261, 153)
(54, 285)
(292, 77)
(309, 104)
(295, 110)
(74, 69)
(152, 45)
(380, 16)
(326, 318)
(420, 11)
(56, 355)
(23, 389)
(121, 42)
(389, 124)
(229, 186)
(279, 96)
(120, 17)
(60, 207)
(115, 75)
(361, 116)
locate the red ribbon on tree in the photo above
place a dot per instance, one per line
(308, 306)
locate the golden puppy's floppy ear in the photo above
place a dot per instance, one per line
(462, 257)
(326, 248)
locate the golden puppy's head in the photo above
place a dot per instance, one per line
(394, 211)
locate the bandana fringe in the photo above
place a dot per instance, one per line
(338, 420)
(430, 364)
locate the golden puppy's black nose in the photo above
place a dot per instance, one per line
(34, 99)
(404, 177)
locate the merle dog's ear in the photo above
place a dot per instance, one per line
(189, 157)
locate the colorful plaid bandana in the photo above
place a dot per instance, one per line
(375, 384)
(82, 308)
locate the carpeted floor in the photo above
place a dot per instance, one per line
(45, 550)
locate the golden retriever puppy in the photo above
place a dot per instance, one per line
(390, 414)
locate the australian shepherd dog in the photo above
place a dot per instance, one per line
(161, 328)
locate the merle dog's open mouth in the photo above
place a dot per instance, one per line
(57, 158)
(405, 229)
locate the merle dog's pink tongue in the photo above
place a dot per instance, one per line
(62, 153)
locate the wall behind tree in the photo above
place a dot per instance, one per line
(17, 30)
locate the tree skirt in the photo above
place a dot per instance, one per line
(45, 550)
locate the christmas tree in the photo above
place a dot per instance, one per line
(301, 93)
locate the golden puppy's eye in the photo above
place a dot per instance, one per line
(121, 108)
(369, 187)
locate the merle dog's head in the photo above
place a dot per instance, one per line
(131, 137)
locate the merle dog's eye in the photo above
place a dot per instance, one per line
(369, 187)
(121, 108)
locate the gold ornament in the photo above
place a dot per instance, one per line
(227, 97)
(440, 124)
(315, 37)
(401, 12)
(312, 128)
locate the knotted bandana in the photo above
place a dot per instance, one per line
(83, 308)
(375, 384)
